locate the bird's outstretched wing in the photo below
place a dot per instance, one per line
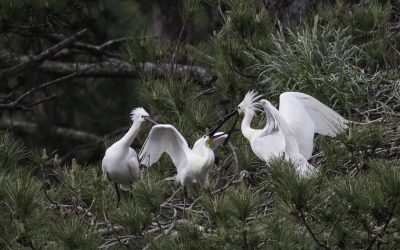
(276, 122)
(305, 116)
(164, 138)
(291, 145)
(326, 120)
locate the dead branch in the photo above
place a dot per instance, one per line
(16, 104)
(117, 68)
(42, 56)
(68, 133)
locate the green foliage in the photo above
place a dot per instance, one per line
(81, 184)
(283, 232)
(368, 24)
(12, 151)
(149, 193)
(50, 14)
(240, 202)
(72, 233)
(133, 217)
(318, 60)
(387, 173)
(23, 194)
(289, 185)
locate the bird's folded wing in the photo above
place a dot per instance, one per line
(326, 121)
(164, 138)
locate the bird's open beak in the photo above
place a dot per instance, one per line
(211, 138)
(147, 118)
(223, 121)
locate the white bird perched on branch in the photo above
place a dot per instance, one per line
(306, 116)
(120, 163)
(193, 164)
(300, 116)
(278, 131)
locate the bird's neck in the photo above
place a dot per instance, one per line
(202, 149)
(247, 131)
(128, 138)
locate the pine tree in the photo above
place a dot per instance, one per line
(344, 54)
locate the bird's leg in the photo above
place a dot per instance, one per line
(131, 191)
(118, 194)
(184, 200)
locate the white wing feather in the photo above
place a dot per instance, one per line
(165, 138)
(276, 121)
(291, 145)
(305, 116)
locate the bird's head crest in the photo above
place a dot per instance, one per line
(138, 114)
(250, 102)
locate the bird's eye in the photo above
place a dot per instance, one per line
(204, 136)
(238, 107)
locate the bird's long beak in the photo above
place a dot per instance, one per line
(223, 120)
(149, 119)
(211, 138)
(231, 130)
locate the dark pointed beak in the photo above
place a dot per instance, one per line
(223, 120)
(231, 130)
(149, 119)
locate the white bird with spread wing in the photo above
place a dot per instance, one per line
(193, 164)
(278, 129)
(120, 163)
(291, 129)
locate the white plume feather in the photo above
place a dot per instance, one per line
(138, 112)
(250, 101)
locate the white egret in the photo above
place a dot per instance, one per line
(120, 163)
(300, 116)
(277, 130)
(193, 164)
(306, 116)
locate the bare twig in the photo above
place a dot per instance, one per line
(16, 104)
(42, 56)
(165, 232)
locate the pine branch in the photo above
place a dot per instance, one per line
(382, 230)
(98, 50)
(310, 231)
(42, 56)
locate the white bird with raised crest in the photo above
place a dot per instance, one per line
(290, 130)
(120, 163)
